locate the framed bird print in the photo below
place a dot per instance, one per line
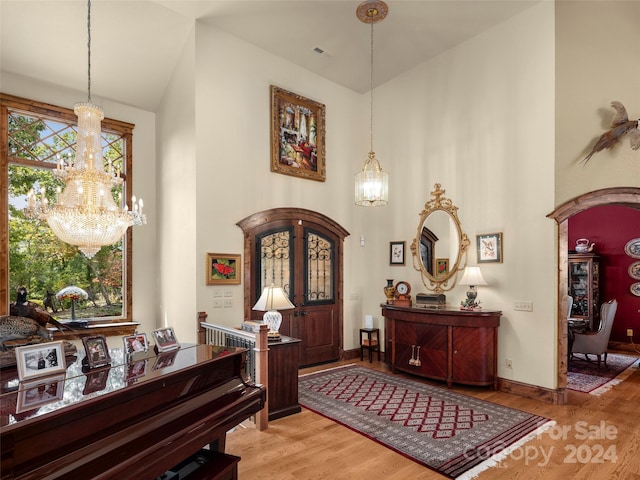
(396, 253)
(489, 248)
(297, 135)
(40, 359)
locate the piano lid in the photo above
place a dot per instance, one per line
(20, 401)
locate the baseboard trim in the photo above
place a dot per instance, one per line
(535, 392)
(623, 347)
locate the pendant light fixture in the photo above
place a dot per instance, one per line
(85, 213)
(372, 183)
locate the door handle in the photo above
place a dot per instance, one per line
(304, 314)
(296, 313)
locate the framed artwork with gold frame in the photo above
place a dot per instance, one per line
(442, 267)
(223, 269)
(297, 135)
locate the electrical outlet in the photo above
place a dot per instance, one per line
(523, 305)
(509, 363)
(629, 332)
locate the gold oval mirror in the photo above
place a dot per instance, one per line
(440, 245)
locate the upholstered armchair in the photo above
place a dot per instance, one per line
(595, 343)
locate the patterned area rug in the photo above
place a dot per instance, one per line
(453, 434)
(587, 377)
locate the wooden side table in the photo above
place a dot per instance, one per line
(370, 343)
(283, 377)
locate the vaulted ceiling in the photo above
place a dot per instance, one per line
(135, 44)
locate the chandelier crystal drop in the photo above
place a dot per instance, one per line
(372, 183)
(85, 213)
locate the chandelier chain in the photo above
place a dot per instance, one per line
(89, 51)
(371, 91)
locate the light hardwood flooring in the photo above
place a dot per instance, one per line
(595, 438)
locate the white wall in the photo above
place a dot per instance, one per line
(145, 263)
(598, 60)
(176, 180)
(479, 120)
(233, 178)
(463, 119)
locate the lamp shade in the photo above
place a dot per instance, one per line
(273, 298)
(472, 276)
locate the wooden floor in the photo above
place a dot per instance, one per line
(596, 438)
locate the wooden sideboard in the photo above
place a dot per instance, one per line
(456, 346)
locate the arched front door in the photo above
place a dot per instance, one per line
(300, 251)
(625, 196)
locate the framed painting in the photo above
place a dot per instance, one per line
(297, 135)
(223, 269)
(40, 359)
(489, 248)
(396, 253)
(442, 267)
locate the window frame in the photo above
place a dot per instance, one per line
(33, 107)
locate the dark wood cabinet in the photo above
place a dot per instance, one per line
(584, 287)
(284, 357)
(455, 346)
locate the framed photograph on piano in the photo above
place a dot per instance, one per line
(165, 339)
(40, 359)
(96, 351)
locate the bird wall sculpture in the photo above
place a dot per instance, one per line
(620, 126)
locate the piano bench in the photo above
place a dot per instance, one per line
(208, 465)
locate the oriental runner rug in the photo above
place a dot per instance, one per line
(456, 435)
(585, 376)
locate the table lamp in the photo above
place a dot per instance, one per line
(273, 299)
(471, 276)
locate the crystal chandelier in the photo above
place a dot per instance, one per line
(372, 183)
(85, 213)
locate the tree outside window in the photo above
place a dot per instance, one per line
(39, 137)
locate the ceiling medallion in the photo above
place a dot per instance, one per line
(372, 11)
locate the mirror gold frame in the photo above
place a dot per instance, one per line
(434, 282)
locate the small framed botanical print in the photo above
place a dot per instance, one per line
(396, 253)
(489, 248)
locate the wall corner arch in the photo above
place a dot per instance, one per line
(622, 196)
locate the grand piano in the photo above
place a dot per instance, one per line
(136, 419)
